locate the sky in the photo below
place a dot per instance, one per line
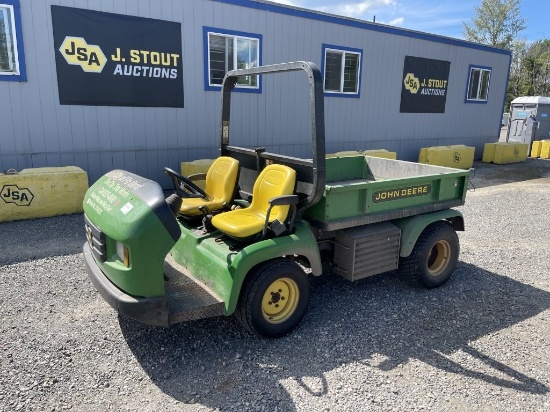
(442, 17)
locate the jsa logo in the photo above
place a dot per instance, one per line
(412, 84)
(88, 56)
(21, 196)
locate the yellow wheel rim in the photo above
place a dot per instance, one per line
(439, 258)
(280, 300)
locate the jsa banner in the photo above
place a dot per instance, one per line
(424, 85)
(106, 59)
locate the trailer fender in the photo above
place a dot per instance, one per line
(300, 243)
(412, 227)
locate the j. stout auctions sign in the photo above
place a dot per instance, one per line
(106, 59)
(424, 87)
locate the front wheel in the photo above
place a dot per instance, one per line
(434, 257)
(274, 298)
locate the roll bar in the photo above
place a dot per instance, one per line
(311, 171)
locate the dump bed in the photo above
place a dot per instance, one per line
(362, 189)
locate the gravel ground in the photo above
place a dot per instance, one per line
(481, 342)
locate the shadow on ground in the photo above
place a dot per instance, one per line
(490, 174)
(25, 240)
(377, 321)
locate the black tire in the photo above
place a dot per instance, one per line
(433, 258)
(274, 298)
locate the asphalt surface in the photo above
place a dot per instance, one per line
(480, 342)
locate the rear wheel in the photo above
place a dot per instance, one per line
(434, 256)
(274, 298)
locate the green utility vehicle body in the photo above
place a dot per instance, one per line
(364, 215)
(373, 188)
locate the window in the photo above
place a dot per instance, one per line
(8, 41)
(478, 84)
(11, 66)
(228, 50)
(342, 71)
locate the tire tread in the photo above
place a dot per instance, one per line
(410, 268)
(252, 286)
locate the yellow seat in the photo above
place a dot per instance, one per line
(221, 180)
(269, 203)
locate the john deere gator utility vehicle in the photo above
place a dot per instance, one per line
(249, 242)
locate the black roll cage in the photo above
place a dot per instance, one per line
(310, 173)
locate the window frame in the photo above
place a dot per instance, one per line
(19, 74)
(343, 50)
(481, 69)
(207, 31)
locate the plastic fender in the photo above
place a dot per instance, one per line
(412, 227)
(301, 242)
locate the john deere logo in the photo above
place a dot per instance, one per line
(412, 83)
(401, 193)
(14, 194)
(457, 157)
(88, 56)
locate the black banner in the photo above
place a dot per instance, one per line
(424, 87)
(106, 59)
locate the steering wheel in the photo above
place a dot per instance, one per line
(192, 190)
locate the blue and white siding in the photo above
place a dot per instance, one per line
(37, 131)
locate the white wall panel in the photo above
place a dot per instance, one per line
(38, 131)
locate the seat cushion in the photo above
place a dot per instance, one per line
(275, 180)
(240, 223)
(221, 180)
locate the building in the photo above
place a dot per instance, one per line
(135, 84)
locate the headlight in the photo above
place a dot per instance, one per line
(123, 253)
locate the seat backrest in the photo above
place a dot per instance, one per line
(221, 179)
(274, 180)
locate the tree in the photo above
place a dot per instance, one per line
(529, 70)
(496, 23)
(515, 83)
(536, 64)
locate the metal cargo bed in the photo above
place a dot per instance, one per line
(361, 190)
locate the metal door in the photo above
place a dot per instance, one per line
(522, 124)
